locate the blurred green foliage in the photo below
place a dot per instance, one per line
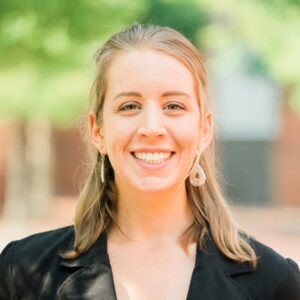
(46, 46)
(46, 53)
(268, 31)
(185, 16)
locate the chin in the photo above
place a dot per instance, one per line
(153, 185)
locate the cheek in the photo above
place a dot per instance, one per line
(187, 132)
(117, 135)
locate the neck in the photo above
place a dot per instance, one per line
(153, 217)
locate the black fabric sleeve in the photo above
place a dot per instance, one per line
(293, 281)
(7, 288)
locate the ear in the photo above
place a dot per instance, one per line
(207, 131)
(96, 133)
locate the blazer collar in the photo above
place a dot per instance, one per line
(229, 266)
(91, 275)
(212, 277)
(97, 253)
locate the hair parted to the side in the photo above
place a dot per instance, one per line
(97, 208)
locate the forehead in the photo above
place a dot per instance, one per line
(148, 70)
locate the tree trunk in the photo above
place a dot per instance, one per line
(29, 172)
(39, 164)
(16, 180)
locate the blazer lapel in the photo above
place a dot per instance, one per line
(91, 276)
(212, 277)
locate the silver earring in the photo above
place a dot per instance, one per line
(197, 176)
(102, 168)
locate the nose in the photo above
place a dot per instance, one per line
(152, 122)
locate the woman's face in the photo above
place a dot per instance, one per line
(151, 122)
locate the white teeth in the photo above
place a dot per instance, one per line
(152, 158)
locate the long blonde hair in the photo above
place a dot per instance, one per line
(96, 211)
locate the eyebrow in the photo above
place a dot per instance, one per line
(166, 94)
(175, 93)
(128, 94)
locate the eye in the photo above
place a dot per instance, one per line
(174, 106)
(129, 107)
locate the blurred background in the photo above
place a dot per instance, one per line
(251, 49)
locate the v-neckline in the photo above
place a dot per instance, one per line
(210, 279)
(193, 274)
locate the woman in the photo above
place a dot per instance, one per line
(152, 222)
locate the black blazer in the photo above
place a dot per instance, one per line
(32, 269)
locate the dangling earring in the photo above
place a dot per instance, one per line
(102, 168)
(197, 176)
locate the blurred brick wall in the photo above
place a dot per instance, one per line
(287, 177)
(69, 162)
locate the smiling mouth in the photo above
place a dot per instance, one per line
(152, 158)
